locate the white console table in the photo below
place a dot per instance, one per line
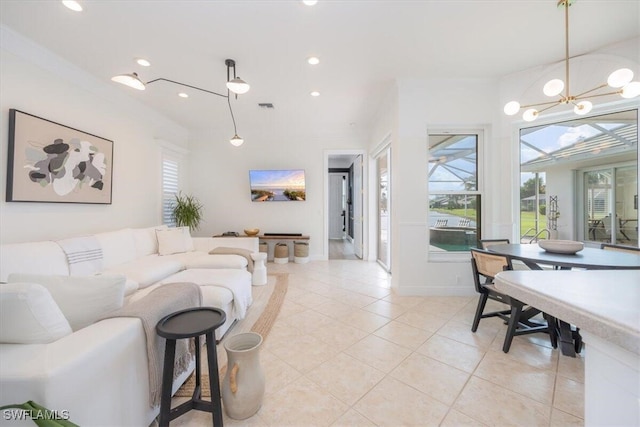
(605, 305)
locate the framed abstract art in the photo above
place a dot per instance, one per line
(50, 162)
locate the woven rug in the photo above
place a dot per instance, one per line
(260, 318)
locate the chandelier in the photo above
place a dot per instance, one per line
(620, 80)
(235, 85)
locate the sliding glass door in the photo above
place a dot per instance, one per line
(383, 165)
(611, 205)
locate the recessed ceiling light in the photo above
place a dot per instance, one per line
(310, 2)
(315, 93)
(183, 95)
(143, 62)
(73, 5)
(313, 60)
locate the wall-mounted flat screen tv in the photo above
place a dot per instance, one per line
(277, 185)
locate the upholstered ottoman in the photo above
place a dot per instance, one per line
(224, 288)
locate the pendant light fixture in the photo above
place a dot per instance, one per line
(235, 85)
(619, 80)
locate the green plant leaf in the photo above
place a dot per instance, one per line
(187, 211)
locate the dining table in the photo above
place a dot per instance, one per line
(604, 305)
(536, 258)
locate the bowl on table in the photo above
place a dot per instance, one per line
(251, 231)
(561, 246)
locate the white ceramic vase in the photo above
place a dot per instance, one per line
(243, 383)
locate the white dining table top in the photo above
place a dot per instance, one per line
(605, 303)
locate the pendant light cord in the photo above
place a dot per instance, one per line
(235, 131)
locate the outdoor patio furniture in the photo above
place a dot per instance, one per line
(441, 222)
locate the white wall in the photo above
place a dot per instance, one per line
(470, 104)
(219, 177)
(36, 82)
(453, 104)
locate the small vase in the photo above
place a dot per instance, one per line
(243, 383)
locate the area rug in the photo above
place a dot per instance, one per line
(260, 318)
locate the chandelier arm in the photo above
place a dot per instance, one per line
(592, 90)
(186, 85)
(550, 107)
(552, 103)
(617, 92)
(566, 45)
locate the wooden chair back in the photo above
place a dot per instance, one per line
(486, 264)
(620, 248)
(485, 243)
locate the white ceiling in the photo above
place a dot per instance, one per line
(363, 46)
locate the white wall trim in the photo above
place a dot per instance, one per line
(384, 143)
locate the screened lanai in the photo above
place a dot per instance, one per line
(592, 163)
(454, 201)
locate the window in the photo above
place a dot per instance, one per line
(454, 194)
(590, 165)
(170, 180)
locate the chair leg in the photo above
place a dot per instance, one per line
(551, 329)
(482, 301)
(516, 310)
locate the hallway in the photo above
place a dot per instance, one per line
(341, 249)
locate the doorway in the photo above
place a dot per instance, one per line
(344, 205)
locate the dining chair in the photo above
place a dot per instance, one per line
(620, 248)
(485, 266)
(485, 243)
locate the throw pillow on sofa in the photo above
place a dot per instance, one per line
(29, 315)
(174, 241)
(82, 299)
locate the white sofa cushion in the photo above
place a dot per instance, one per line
(203, 260)
(29, 315)
(82, 299)
(146, 240)
(45, 257)
(148, 270)
(118, 247)
(174, 241)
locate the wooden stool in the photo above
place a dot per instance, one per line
(191, 323)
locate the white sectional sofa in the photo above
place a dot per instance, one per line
(99, 373)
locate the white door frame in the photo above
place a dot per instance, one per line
(365, 199)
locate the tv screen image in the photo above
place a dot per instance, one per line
(277, 185)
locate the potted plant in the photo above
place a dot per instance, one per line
(187, 211)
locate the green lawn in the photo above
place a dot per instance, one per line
(527, 221)
(462, 213)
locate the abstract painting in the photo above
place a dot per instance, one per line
(50, 162)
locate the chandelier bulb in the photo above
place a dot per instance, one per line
(582, 108)
(238, 86)
(620, 78)
(511, 108)
(553, 87)
(131, 80)
(530, 115)
(631, 90)
(236, 141)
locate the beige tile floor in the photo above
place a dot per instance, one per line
(347, 351)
